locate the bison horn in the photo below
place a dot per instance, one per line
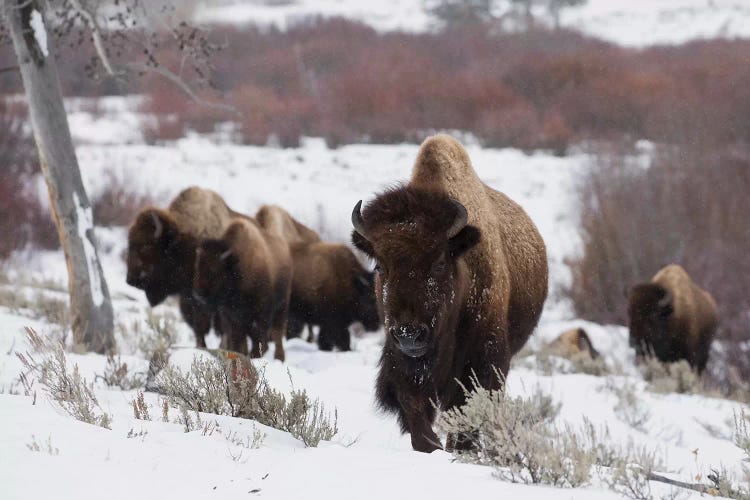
(158, 225)
(665, 301)
(462, 217)
(357, 221)
(226, 254)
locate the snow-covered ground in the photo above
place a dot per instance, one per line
(634, 23)
(368, 458)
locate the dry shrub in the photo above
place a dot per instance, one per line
(25, 221)
(47, 362)
(676, 377)
(117, 205)
(233, 387)
(117, 374)
(518, 438)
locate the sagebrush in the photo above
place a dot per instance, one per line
(233, 387)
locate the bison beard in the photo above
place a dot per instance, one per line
(461, 280)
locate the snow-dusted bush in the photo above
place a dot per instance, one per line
(117, 374)
(516, 436)
(676, 377)
(549, 363)
(234, 387)
(629, 408)
(68, 389)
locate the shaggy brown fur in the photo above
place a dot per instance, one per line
(161, 251)
(247, 275)
(331, 289)
(454, 307)
(278, 221)
(572, 342)
(672, 318)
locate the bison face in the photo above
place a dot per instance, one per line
(417, 239)
(150, 243)
(215, 274)
(365, 307)
(649, 311)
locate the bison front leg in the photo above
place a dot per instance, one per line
(278, 330)
(198, 317)
(418, 414)
(234, 333)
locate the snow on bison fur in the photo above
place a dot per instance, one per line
(672, 318)
(461, 280)
(161, 251)
(246, 275)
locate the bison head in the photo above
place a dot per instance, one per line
(152, 254)
(216, 275)
(417, 239)
(649, 311)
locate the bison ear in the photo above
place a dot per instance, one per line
(465, 240)
(363, 244)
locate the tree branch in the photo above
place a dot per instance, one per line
(9, 69)
(180, 83)
(95, 34)
(700, 488)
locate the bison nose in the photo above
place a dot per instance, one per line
(410, 338)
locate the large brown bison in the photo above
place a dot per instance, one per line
(247, 276)
(672, 318)
(161, 251)
(461, 279)
(331, 289)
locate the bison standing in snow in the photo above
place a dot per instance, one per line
(161, 251)
(330, 287)
(461, 279)
(672, 318)
(247, 276)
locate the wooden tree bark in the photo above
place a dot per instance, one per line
(91, 307)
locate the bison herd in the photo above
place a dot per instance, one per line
(459, 285)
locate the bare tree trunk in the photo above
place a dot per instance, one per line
(89, 296)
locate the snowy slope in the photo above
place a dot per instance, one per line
(368, 458)
(627, 22)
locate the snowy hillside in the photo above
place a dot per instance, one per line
(368, 458)
(627, 22)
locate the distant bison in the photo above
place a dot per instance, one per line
(461, 279)
(278, 221)
(672, 318)
(246, 275)
(331, 289)
(572, 342)
(161, 250)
